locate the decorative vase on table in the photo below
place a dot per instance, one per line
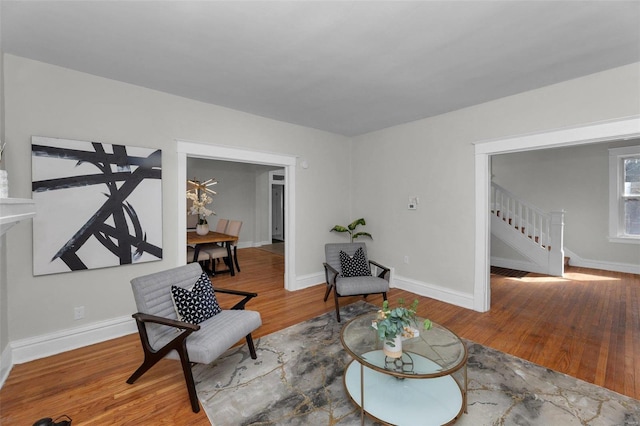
(202, 228)
(393, 349)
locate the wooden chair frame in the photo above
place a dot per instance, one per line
(331, 284)
(151, 356)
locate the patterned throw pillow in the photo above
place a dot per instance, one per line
(356, 265)
(198, 304)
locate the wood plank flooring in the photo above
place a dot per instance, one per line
(586, 325)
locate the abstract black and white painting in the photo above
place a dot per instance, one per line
(97, 205)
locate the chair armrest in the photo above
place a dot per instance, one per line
(240, 305)
(384, 269)
(330, 268)
(140, 317)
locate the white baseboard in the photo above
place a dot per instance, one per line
(576, 260)
(32, 348)
(443, 294)
(245, 244)
(309, 280)
(518, 265)
(5, 364)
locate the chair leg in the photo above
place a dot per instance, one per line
(326, 293)
(188, 377)
(335, 298)
(384, 295)
(252, 348)
(149, 361)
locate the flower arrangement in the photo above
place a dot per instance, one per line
(397, 321)
(200, 197)
(198, 206)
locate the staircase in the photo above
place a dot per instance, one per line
(536, 235)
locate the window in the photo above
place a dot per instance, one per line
(624, 194)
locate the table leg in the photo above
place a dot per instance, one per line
(464, 398)
(362, 394)
(230, 257)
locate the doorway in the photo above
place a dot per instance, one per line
(593, 133)
(276, 201)
(220, 152)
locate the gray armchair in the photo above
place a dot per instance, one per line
(161, 332)
(355, 281)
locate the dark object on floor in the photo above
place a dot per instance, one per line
(505, 272)
(48, 421)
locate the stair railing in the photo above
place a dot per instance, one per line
(525, 217)
(544, 230)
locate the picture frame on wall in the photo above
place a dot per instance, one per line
(98, 205)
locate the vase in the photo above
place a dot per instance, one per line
(394, 351)
(4, 184)
(202, 229)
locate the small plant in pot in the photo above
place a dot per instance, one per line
(351, 229)
(394, 324)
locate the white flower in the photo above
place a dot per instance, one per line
(198, 206)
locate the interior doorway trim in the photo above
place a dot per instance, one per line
(625, 128)
(222, 152)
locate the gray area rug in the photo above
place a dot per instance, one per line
(297, 380)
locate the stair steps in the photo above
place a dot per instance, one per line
(535, 234)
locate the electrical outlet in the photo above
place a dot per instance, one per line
(406, 260)
(78, 312)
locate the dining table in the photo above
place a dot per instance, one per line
(196, 240)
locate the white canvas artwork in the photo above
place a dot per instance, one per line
(97, 205)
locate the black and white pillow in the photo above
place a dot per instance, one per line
(197, 304)
(356, 265)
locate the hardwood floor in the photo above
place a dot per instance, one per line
(586, 325)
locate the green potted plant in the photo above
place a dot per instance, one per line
(351, 229)
(393, 324)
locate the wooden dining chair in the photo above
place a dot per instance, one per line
(216, 253)
(203, 257)
(221, 226)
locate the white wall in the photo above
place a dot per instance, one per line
(4, 317)
(46, 100)
(240, 195)
(575, 179)
(434, 160)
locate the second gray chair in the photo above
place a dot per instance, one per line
(356, 277)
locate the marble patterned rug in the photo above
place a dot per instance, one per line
(297, 380)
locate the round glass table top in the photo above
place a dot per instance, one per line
(445, 352)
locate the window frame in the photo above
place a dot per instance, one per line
(616, 197)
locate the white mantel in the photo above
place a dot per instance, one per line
(13, 210)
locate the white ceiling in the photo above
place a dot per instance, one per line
(344, 67)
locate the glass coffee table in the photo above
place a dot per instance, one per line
(422, 387)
